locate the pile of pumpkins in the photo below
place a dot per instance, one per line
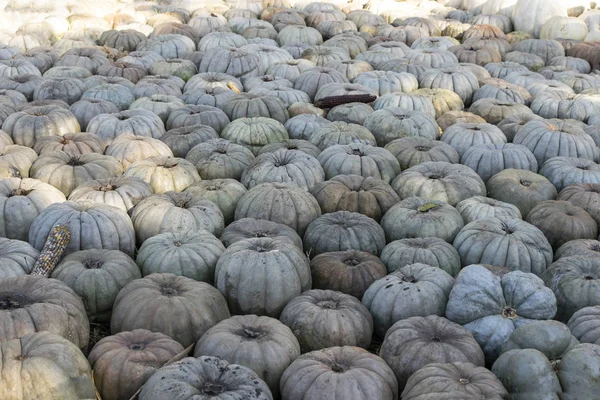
(279, 199)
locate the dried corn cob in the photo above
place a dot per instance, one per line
(332, 101)
(52, 252)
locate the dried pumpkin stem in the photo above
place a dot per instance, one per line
(53, 250)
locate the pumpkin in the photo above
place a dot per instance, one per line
(138, 122)
(414, 150)
(311, 80)
(261, 263)
(122, 363)
(564, 105)
(220, 159)
(69, 90)
(182, 140)
(463, 136)
(430, 251)
(407, 101)
(67, 171)
(415, 342)
(26, 126)
(247, 228)
(352, 113)
(574, 281)
(343, 230)
(424, 287)
(65, 374)
(97, 276)
(225, 193)
(75, 143)
(92, 226)
(16, 257)
(194, 307)
(450, 183)
(219, 380)
(522, 188)
(494, 111)
(121, 192)
(566, 171)
(254, 133)
(197, 115)
(157, 84)
(302, 126)
(252, 336)
(326, 318)
(296, 207)
(421, 217)
(574, 222)
(584, 195)
(458, 379)
(578, 247)
(584, 324)
(30, 304)
(292, 144)
(351, 370)
(126, 39)
(513, 299)
(489, 159)
(393, 123)
(164, 174)
(20, 158)
(387, 81)
(246, 105)
(479, 207)
(193, 254)
(550, 337)
(175, 212)
(368, 196)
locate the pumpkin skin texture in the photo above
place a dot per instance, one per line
(350, 271)
(552, 338)
(411, 151)
(585, 324)
(566, 171)
(60, 369)
(205, 378)
(492, 307)
(339, 373)
(393, 123)
(248, 228)
(459, 380)
(259, 276)
(489, 159)
(67, 171)
(21, 200)
(584, 195)
(288, 166)
(245, 339)
(122, 363)
(129, 149)
(121, 192)
(182, 140)
(254, 133)
(92, 226)
(164, 174)
(175, 212)
(531, 374)
(193, 307)
(31, 304)
(522, 188)
(572, 222)
(193, 254)
(220, 159)
(479, 207)
(431, 251)
(507, 242)
(578, 247)
(442, 181)
(575, 281)
(16, 258)
(464, 136)
(410, 291)
(365, 195)
(341, 133)
(326, 318)
(420, 217)
(343, 230)
(412, 343)
(74, 143)
(97, 276)
(283, 203)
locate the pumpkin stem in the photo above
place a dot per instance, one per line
(509, 312)
(53, 250)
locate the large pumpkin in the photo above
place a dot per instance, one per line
(193, 307)
(259, 276)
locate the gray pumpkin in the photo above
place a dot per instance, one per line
(412, 290)
(259, 276)
(220, 159)
(575, 281)
(566, 171)
(343, 230)
(561, 221)
(219, 380)
(121, 192)
(193, 254)
(246, 105)
(16, 258)
(431, 251)
(411, 151)
(450, 183)
(225, 193)
(578, 247)
(479, 207)
(392, 123)
(522, 188)
(584, 195)
(463, 136)
(492, 307)
(415, 342)
(244, 339)
(182, 140)
(193, 307)
(129, 122)
(585, 324)
(255, 133)
(341, 133)
(489, 159)
(322, 374)
(247, 228)
(552, 338)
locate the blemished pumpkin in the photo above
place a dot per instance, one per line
(123, 362)
(276, 272)
(193, 306)
(348, 368)
(243, 339)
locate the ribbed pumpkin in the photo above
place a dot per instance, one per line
(431, 251)
(164, 174)
(411, 151)
(261, 264)
(248, 228)
(489, 159)
(584, 195)
(121, 192)
(341, 133)
(479, 207)
(394, 122)
(566, 171)
(254, 133)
